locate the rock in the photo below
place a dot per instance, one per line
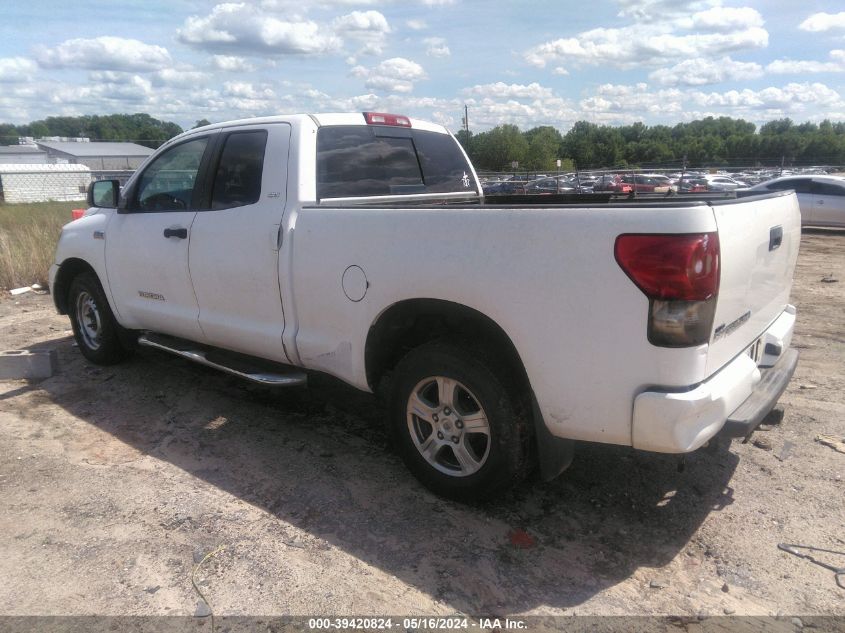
(659, 583)
(725, 588)
(521, 539)
(833, 442)
(202, 610)
(152, 590)
(728, 610)
(798, 623)
(829, 279)
(762, 442)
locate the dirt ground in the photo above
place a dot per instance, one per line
(116, 482)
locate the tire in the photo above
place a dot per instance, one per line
(98, 335)
(471, 445)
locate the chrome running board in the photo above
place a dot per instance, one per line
(229, 362)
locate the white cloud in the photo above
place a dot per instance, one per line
(179, 77)
(416, 25)
(368, 27)
(820, 22)
(793, 97)
(659, 10)
(232, 64)
(723, 19)
(500, 90)
(638, 45)
(246, 90)
(619, 102)
(392, 75)
(297, 5)
(437, 3)
(106, 53)
(802, 67)
(244, 28)
(700, 72)
(436, 47)
(16, 69)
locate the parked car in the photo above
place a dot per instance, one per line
(717, 182)
(504, 188)
(612, 183)
(821, 198)
(649, 183)
(359, 245)
(691, 184)
(549, 185)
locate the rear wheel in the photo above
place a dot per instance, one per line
(95, 329)
(458, 423)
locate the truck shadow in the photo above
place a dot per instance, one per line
(317, 460)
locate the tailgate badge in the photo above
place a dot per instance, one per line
(725, 330)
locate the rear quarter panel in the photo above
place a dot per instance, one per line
(547, 276)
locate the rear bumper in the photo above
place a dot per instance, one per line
(764, 397)
(740, 394)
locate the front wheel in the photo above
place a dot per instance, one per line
(458, 423)
(95, 329)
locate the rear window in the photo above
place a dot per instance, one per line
(357, 161)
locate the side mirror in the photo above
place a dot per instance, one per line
(104, 194)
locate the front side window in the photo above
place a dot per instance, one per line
(360, 161)
(168, 183)
(237, 179)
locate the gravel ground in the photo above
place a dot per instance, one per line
(116, 482)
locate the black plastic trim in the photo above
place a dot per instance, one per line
(746, 418)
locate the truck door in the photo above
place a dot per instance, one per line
(147, 243)
(234, 255)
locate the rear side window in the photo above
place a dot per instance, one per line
(800, 185)
(828, 189)
(237, 179)
(358, 161)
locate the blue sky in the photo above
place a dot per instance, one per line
(528, 63)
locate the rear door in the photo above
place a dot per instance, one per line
(234, 255)
(828, 204)
(759, 241)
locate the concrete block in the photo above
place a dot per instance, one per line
(16, 364)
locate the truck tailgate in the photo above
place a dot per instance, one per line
(759, 239)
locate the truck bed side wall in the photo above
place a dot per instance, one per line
(546, 276)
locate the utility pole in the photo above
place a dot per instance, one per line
(466, 121)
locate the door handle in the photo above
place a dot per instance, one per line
(775, 237)
(180, 233)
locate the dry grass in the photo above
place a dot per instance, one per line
(28, 235)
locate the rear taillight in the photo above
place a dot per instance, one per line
(75, 214)
(382, 118)
(680, 276)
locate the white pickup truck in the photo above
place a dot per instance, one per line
(360, 245)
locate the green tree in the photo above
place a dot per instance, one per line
(543, 148)
(501, 146)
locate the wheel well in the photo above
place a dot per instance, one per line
(69, 269)
(411, 323)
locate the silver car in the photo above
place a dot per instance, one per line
(821, 198)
